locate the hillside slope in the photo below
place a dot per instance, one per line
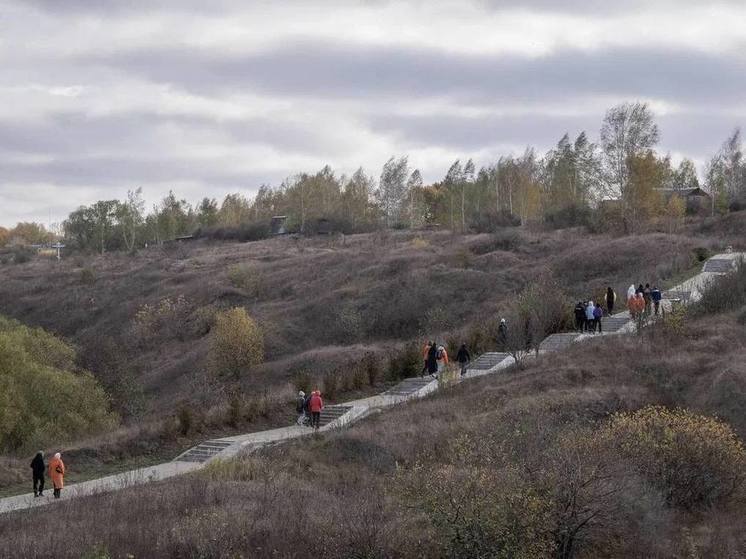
(321, 302)
(514, 465)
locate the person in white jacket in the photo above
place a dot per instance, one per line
(631, 292)
(590, 320)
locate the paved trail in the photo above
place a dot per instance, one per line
(341, 415)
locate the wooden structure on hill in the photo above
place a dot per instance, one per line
(697, 200)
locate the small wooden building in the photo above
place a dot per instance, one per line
(697, 200)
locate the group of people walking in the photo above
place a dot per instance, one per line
(589, 314)
(435, 358)
(56, 468)
(641, 301)
(309, 408)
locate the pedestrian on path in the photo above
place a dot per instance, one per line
(647, 295)
(57, 473)
(37, 470)
(431, 362)
(464, 358)
(316, 405)
(598, 314)
(442, 359)
(637, 306)
(300, 408)
(630, 293)
(579, 316)
(610, 300)
(502, 335)
(590, 324)
(656, 296)
(425, 351)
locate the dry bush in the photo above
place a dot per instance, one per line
(247, 278)
(161, 321)
(236, 343)
(726, 293)
(695, 461)
(405, 363)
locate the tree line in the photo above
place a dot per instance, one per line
(562, 187)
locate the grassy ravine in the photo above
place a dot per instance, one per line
(505, 466)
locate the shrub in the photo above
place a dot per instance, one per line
(21, 255)
(87, 276)
(332, 384)
(167, 319)
(248, 278)
(372, 368)
(42, 400)
(235, 407)
(406, 363)
(237, 343)
(303, 381)
(694, 460)
(185, 418)
(569, 216)
(725, 293)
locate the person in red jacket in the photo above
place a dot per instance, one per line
(315, 406)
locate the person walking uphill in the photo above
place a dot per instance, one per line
(579, 316)
(590, 324)
(431, 361)
(37, 470)
(316, 405)
(656, 296)
(300, 407)
(598, 314)
(464, 358)
(610, 300)
(57, 473)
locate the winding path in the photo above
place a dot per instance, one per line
(341, 415)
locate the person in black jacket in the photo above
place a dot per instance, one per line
(38, 468)
(432, 359)
(580, 316)
(464, 358)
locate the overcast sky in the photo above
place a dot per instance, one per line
(211, 97)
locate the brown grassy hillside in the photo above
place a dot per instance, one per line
(321, 301)
(510, 465)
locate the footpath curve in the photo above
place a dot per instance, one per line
(343, 415)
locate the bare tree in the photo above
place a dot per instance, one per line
(628, 130)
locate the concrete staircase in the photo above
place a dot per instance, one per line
(719, 266)
(330, 413)
(203, 451)
(487, 361)
(558, 342)
(614, 323)
(409, 386)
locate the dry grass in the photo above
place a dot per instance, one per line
(342, 495)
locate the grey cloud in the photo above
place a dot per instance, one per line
(331, 70)
(67, 133)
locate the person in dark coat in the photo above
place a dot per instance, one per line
(464, 358)
(656, 296)
(432, 359)
(579, 316)
(610, 300)
(38, 468)
(502, 335)
(646, 295)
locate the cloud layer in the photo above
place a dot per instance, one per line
(210, 98)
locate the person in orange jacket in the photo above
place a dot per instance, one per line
(425, 351)
(442, 359)
(57, 473)
(315, 406)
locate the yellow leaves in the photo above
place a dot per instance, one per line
(237, 342)
(695, 460)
